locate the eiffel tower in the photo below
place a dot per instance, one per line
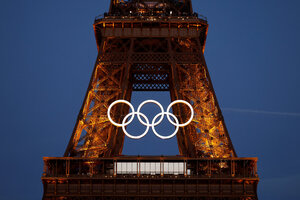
(150, 45)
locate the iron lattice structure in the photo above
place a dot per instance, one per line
(150, 45)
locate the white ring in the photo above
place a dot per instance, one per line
(114, 103)
(161, 136)
(186, 103)
(155, 102)
(132, 136)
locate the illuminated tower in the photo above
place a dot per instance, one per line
(150, 45)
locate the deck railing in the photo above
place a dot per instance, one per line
(151, 166)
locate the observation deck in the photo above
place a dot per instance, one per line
(149, 176)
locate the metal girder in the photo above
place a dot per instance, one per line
(93, 135)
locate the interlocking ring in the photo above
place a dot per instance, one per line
(146, 122)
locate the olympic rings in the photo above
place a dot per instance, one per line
(146, 122)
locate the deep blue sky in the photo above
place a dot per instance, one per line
(48, 53)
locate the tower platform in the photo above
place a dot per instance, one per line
(149, 177)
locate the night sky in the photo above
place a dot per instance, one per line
(48, 51)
